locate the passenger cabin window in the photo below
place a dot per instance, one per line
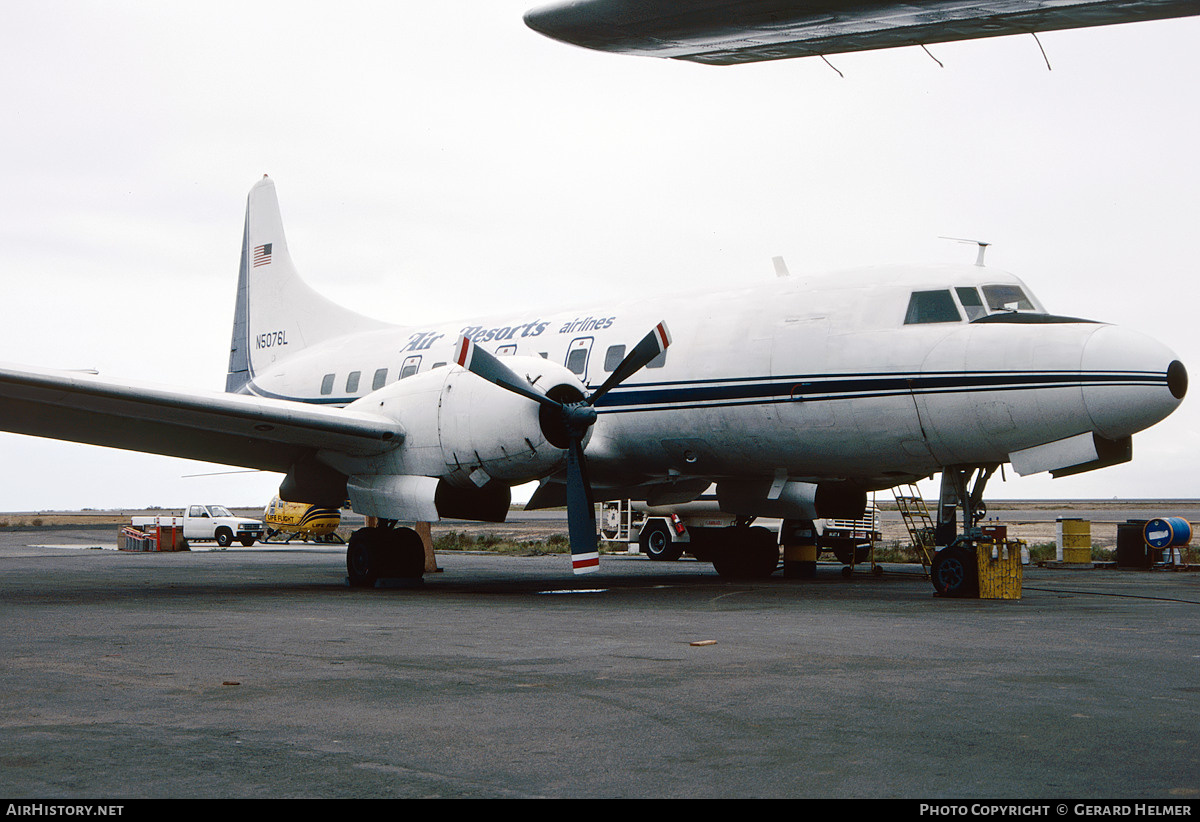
(352, 381)
(658, 362)
(506, 350)
(613, 357)
(380, 379)
(1007, 298)
(971, 303)
(327, 384)
(931, 307)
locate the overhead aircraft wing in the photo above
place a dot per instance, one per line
(727, 32)
(227, 429)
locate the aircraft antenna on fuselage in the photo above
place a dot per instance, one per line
(980, 243)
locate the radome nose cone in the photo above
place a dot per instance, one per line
(1177, 379)
(1131, 381)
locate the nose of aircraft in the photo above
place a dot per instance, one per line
(1130, 381)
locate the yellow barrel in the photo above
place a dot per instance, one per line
(1074, 540)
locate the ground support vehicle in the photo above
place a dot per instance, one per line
(208, 523)
(699, 528)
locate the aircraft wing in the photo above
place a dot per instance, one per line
(727, 32)
(227, 429)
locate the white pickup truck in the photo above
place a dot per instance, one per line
(208, 522)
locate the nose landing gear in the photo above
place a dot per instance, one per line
(955, 571)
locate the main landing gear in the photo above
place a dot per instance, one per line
(955, 569)
(741, 551)
(384, 551)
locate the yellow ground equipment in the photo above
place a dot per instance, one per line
(999, 562)
(286, 521)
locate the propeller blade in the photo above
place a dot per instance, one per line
(652, 345)
(486, 365)
(581, 513)
(577, 418)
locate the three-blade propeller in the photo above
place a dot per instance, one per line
(572, 419)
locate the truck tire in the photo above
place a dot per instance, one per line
(224, 537)
(246, 541)
(656, 542)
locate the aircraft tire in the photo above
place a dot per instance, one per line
(405, 554)
(362, 558)
(381, 553)
(765, 548)
(656, 543)
(224, 537)
(955, 572)
(747, 553)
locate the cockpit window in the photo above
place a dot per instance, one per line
(931, 307)
(1006, 298)
(971, 303)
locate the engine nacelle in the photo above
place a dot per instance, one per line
(465, 430)
(794, 500)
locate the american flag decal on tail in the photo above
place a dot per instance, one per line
(262, 255)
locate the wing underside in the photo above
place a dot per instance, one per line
(227, 429)
(724, 32)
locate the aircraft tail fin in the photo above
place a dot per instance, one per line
(277, 314)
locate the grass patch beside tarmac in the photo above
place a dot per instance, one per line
(494, 544)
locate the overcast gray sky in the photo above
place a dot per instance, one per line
(436, 161)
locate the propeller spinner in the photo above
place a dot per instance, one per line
(572, 419)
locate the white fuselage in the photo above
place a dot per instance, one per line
(838, 378)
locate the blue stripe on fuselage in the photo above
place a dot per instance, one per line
(802, 388)
(741, 391)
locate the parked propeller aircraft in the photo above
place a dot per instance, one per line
(795, 397)
(728, 32)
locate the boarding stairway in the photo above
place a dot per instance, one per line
(917, 521)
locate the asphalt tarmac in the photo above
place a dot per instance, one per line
(259, 674)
